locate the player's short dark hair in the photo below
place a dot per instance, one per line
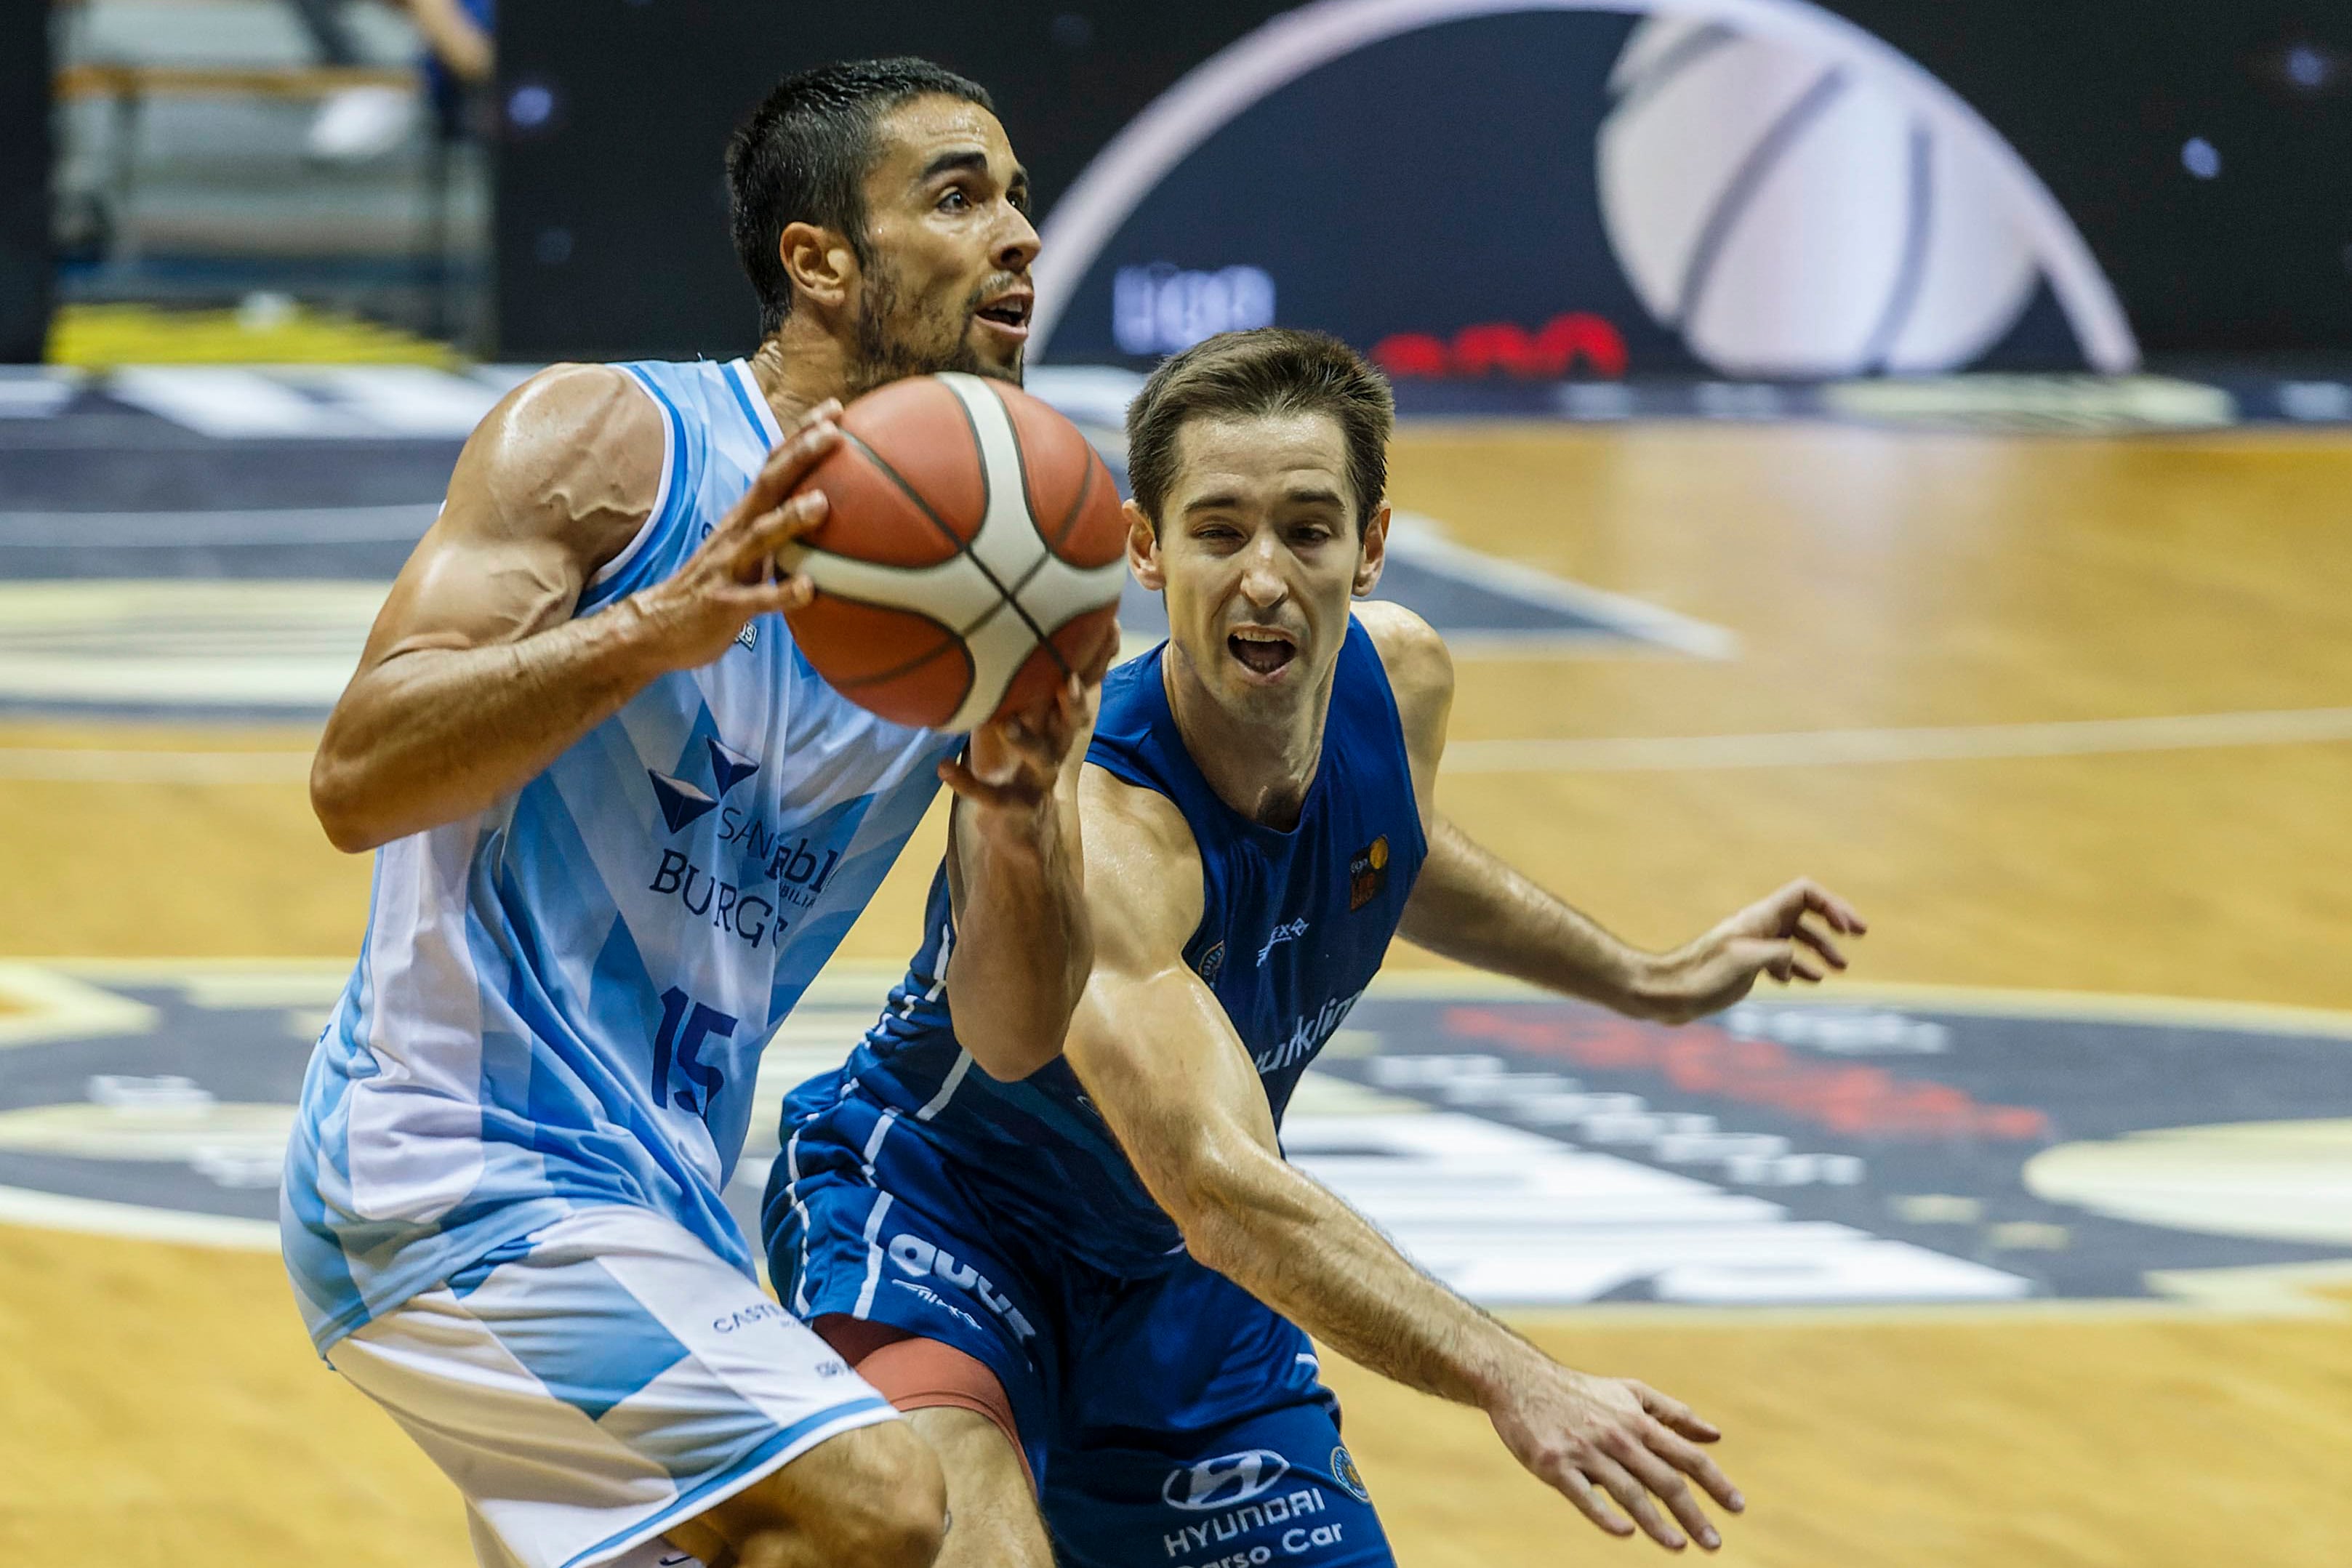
(1267, 370)
(804, 156)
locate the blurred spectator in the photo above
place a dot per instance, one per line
(358, 123)
(460, 57)
(362, 123)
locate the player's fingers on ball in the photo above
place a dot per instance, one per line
(789, 521)
(789, 464)
(1589, 1502)
(830, 409)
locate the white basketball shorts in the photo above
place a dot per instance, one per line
(615, 1380)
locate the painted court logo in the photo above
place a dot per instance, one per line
(1907, 1147)
(1223, 1481)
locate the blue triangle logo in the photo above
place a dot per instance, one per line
(729, 768)
(680, 802)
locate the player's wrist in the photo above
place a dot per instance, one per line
(1502, 1378)
(1027, 833)
(652, 636)
(1642, 984)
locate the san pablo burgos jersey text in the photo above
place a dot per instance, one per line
(562, 1000)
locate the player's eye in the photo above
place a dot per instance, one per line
(954, 201)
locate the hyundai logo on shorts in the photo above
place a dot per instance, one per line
(1224, 1480)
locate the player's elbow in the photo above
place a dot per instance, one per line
(339, 798)
(1218, 1205)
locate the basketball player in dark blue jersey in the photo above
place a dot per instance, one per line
(1096, 1284)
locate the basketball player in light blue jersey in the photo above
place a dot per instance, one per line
(619, 824)
(1095, 1287)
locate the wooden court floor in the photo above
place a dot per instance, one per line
(1989, 603)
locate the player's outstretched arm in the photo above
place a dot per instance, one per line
(1471, 906)
(1162, 1063)
(1016, 877)
(476, 677)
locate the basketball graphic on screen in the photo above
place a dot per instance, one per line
(1803, 217)
(973, 555)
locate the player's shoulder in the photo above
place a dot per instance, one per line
(576, 449)
(571, 414)
(1134, 818)
(1419, 667)
(1143, 861)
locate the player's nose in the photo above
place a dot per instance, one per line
(1017, 244)
(1262, 580)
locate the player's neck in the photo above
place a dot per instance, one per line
(1260, 766)
(798, 369)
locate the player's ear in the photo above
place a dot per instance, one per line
(1143, 548)
(1372, 552)
(822, 266)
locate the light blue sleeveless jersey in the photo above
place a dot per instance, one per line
(562, 1000)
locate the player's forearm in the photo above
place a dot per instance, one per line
(1024, 946)
(1293, 1245)
(1470, 906)
(440, 733)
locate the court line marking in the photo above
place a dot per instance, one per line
(180, 531)
(1421, 539)
(67, 765)
(97, 1217)
(1694, 753)
(1956, 743)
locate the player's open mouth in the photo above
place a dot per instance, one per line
(1009, 313)
(1262, 652)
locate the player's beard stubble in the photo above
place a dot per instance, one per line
(894, 342)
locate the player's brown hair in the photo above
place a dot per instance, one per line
(1268, 369)
(804, 156)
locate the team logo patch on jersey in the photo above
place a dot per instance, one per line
(1368, 873)
(1213, 963)
(1344, 1471)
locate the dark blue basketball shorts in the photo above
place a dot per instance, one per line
(1172, 1420)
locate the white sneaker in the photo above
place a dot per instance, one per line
(360, 123)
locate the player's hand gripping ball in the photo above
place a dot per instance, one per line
(971, 558)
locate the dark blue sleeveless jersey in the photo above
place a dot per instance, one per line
(1293, 927)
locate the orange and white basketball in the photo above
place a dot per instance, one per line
(972, 554)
